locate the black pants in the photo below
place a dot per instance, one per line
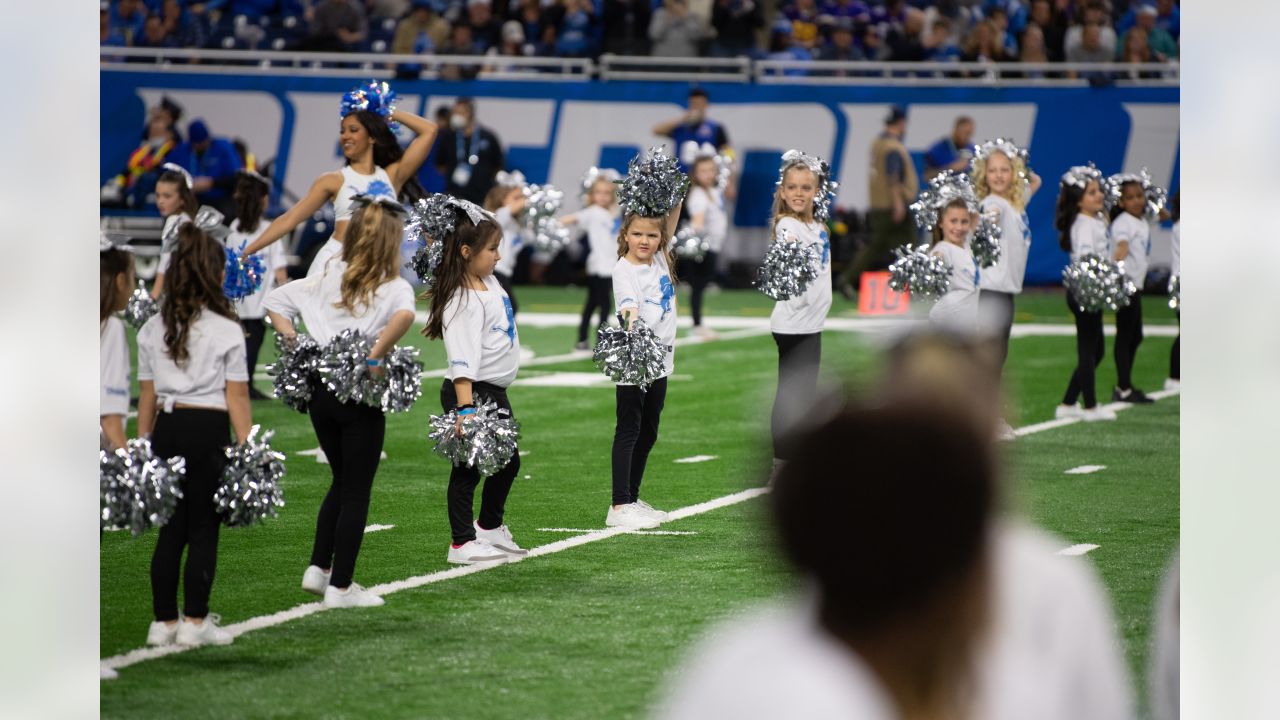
(1175, 361)
(703, 273)
(464, 480)
(350, 435)
(598, 289)
(1128, 338)
(505, 282)
(995, 317)
(639, 412)
(254, 331)
(199, 436)
(1090, 348)
(799, 358)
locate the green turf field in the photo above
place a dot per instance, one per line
(591, 631)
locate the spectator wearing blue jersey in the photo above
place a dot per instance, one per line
(1005, 36)
(184, 27)
(154, 35)
(835, 10)
(109, 35)
(577, 30)
(938, 46)
(695, 125)
(129, 17)
(1016, 11)
(952, 152)
(212, 162)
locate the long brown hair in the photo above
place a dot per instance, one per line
(251, 200)
(371, 249)
(188, 198)
(193, 283)
(664, 242)
(387, 151)
(112, 263)
(451, 274)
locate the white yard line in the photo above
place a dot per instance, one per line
(376, 528)
(633, 532)
(1117, 406)
(696, 459)
(1085, 470)
(1077, 550)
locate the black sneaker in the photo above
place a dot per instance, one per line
(1134, 396)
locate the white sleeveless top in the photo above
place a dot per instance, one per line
(353, 183)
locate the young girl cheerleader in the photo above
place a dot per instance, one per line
(507, 200)
(958, 309)
(361, 289)
(193, 382)
(177, 205)
(707, 216)
(473, 315)
(797, 323)
(375, 165)
(250, 196)
(644, 286)
(1131, 240)
(115, 284)
(1081, 231)
(601, 222)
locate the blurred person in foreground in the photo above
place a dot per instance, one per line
(938, 605)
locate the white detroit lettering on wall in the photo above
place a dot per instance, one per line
(255, 117)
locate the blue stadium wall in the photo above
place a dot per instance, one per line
(554, 130)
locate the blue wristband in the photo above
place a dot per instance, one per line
(372, 362)
(466, 411)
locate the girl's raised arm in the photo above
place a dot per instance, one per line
(416, 154)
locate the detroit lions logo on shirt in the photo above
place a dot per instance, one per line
(668, 292)
(510, 329)
(617, 226)
(379, 187)
(826, 246)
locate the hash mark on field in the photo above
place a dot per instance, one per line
(376, 528)
(322, 459)
(1085, 470)
(633, 532)
(1074, 550)
(1116, 406)
(697, 459)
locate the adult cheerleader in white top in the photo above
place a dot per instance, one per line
(797, 323)
(250, 197)
(115, 284)
(177, 205)
(193, 386)
(705, 207)
(1082, 231)
(601, 222)
(360, 289)
(473, 315)
(506, 201)
(1004, 185)
(1131, 247)
(958, 309)
(376, 166)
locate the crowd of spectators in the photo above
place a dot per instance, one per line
(973, 31)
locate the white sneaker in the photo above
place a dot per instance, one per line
(1171, 384)
(500, 538)
(353, 596)
(652, 511)
(476, 551)
(629, 516)
(704, 332)
(315, 580)
(205, 633)
(1005, 432)
(161, 634)
(1067, 412)
(1098, 413)
(106, 673)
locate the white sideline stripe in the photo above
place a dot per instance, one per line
(696, 459)
(1085, 470)
(300, 611)
(376, 528)
(1075, 550)
(1117, 406)
(633, 532)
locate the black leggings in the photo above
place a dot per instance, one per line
(254, 331)
(703, 273)
(799, 358)
(639, 412)
(199, 436)
(995, 317)
(351, 437)
(1128, 338)
(1090, 349)
(1175, 361)
(598, 289)
(505, 282)
(463, 480)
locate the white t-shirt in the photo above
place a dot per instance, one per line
(649, 289)
(710, 204)
(1176, 265)
(807, 313)
(1137, 233)
(1007, 273)
(272, 257)
(601, 226)
(480, 338)
(1089, 235)
(958, 309)
(510, 244)
(113, 361)
(170, 223)
(775, 663)
(313, 299)
(215, 356)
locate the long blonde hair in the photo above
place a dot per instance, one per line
(780, 209)
(1017, 187)
(371, 249)
(664, 242)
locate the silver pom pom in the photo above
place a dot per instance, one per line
(1175, 291)
(293, 373)
(916, 271)
(985, 242)
(342, 366)
(788, 270)
(1097, 283)
(630, 357)
(140, 307)
(250, 490)
(653, 185)
(400, 385)
(488, 441)
(542, 204)
(690, 244)
(430, 221)
(139, 490)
